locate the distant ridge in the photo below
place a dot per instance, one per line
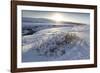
(37, 20)
(44, 20)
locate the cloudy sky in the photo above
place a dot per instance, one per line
(58, 16)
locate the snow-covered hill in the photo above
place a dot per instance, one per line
(32, 25)
(53, 44)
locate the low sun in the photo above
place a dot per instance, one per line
(57, 17)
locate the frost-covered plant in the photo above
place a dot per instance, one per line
(69, 37)
(56, 45)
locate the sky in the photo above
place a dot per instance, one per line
(58, 16)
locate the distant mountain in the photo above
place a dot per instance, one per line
(44, 20)
(37, 20)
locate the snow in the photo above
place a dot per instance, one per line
(56, 44)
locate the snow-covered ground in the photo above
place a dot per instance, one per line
(55, 44)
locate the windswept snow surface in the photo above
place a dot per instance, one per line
(57, 44)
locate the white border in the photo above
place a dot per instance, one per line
(53, 63)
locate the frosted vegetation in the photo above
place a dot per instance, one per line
(49, 42)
